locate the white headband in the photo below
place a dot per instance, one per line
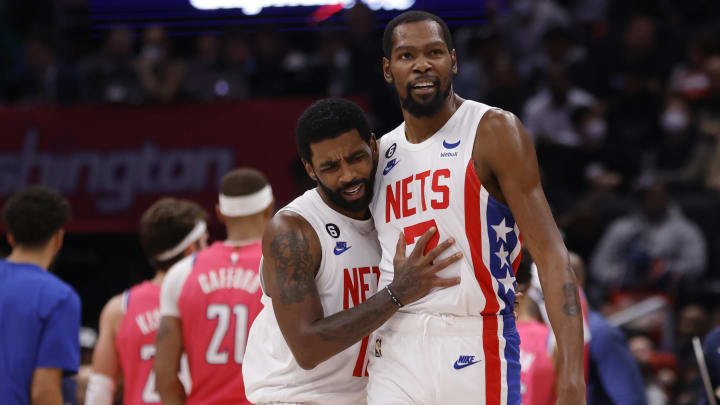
(240, 206)
(192, 237)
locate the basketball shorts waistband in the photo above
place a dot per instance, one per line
(445, 325)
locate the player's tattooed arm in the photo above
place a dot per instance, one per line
(292, 255)
(295, 276)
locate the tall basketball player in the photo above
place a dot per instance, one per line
(209, 300)
(470, 171)
(169, 230)
(320, 271)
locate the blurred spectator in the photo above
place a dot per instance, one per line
(632, 120)
(472, 80)
(547, 113)
(642, 348)
(209, 77)
(524, 26)
(692, 321)
(506, 89)
(161, 74)
(42, 77)
(676, 157)
(711, 349)
(270, 78)
(653, 248)
(614, 375)
(111, 76)
(709, 124)
(639, 51)
(689, 79)
(560, 48)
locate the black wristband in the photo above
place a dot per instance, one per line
(393, 297)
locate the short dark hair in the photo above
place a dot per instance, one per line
(165, 224)
(328, 119)
(410, 17)
(242, 181)
(34, 214)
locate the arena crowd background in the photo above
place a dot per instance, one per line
(117, 103)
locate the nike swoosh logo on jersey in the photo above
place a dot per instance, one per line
(465, 361)
(451, 145)
(340, 248)
(390, 165)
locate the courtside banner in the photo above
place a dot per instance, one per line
(112, 162)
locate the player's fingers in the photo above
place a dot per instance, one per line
(435, 252)
(419, 248)
(445, 282)
(400, 248)
(441, 264)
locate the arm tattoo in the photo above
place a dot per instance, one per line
(295, 277)
(571, 306)
(351, 325)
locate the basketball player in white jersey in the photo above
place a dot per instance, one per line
(320, 272)
(470, 171)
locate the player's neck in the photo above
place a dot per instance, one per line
(243, 235)
(418, 129)
(39, 257)
(159, 277)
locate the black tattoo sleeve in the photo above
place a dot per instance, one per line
(571, 307)
(293, 263)
(353, 324)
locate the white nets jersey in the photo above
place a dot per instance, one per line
(348, 275)
(434, 183)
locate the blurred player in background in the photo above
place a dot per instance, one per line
(537, 373)
(209, 300)
(320, 271)
(39, 313)
(170, 230)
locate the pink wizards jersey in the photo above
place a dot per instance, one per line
(433, 183)
(537, 375)
(218, 297)
(135, 343)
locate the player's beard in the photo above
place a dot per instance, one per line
(355, 206)
(428, 108)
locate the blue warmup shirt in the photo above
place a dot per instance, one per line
(615, 377)
(711, 348)
(39, 325)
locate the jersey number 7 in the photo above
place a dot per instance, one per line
(413, 232)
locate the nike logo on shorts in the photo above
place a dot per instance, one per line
(465, 361)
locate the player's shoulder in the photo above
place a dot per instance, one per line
(496, 120)
(287, 221)
(181, 268)
(113, 309)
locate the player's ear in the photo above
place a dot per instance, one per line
(453, 59)
(11, 240)
(386, 70)
(57, 239)
(219, 214)
(309, 169)
(373, 146)
(270, 210)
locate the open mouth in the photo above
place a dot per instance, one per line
(423, 86)
(355, 192)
